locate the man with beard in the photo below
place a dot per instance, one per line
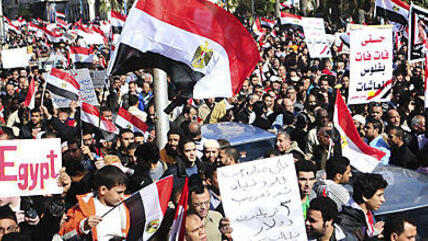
(169, 153)
(34, 127)
(401, 155)
(321, 221)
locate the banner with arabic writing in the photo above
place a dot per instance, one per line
(371, 64)
(261, 198)
(315, 37)
(418, 30)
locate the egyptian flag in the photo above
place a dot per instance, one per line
(31, 95)
(393, 10)
(81, 55)
(89, 36)
(147, 208)
(117, 20)
(179, 224)
(60, 15)
(11, 27)
(291, 20)
(53, 37)
(257, 28)
(267, 23)
(61, 23)
(287, 4)
(90, 114)
(362, 157)
(126, 120)
(205, 50)
(63, 84)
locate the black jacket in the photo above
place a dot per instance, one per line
(404, 157)
(353, 220)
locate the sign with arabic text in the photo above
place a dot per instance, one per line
(316, 39)
(370, 64)
(418, 31)
(261, 198)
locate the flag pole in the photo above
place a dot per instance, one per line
(161, 102)
(43, 93)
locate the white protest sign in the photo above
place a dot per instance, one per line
(261, 198)
(316, 38)
(14, 58)
(30, 167)
(86, 91)
(370, 64)
(99, 78)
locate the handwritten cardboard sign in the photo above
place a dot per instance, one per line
(371, 64)
(30, 167)
(98, 78)
(14, 58)
(261, 199)
(316, 38)
(86, 92)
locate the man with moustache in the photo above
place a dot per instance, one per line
(170, 152)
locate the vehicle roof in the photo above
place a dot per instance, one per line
(406, 189)
(235, 133)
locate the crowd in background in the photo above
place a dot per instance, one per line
(288, 94)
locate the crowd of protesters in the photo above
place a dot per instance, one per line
(288, 94)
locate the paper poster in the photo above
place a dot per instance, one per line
(316, 39)
(30, 167)
(418, 32)
(370, 64)
(15, 58)
(261, 198)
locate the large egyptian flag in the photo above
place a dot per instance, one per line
(63, 84)
(393, 10)
(179, 223)
(205, 50)
(90, 114)
(362, 157)
(147, 208)
(127, 120)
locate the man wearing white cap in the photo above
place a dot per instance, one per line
(359, 122)
(211, 150)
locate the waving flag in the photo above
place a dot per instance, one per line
(31, 95)
(393, 10)
(257, 27)
(62, 23)
(81, 55)
(267, 23)
(362, 157)
(53, 37)
(60, 15)
(205, 50)
(291, 20)
(117, 20)
(90, 114)
(89, 36)
(179, 224)
(63, 84)
(147, 209)
(126, 120)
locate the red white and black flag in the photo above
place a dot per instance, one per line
(60, 15)
(291, 20)
(90, 114)
(63, 84)
(393, 10)
(117, 20)
(205, 50)
(362, 156)
(179, 224)
(147, 209)
(81, 55)
(126, 120)
(31, 95)
(267, 23)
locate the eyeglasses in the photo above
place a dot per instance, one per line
(206, 203)
(9, 229)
